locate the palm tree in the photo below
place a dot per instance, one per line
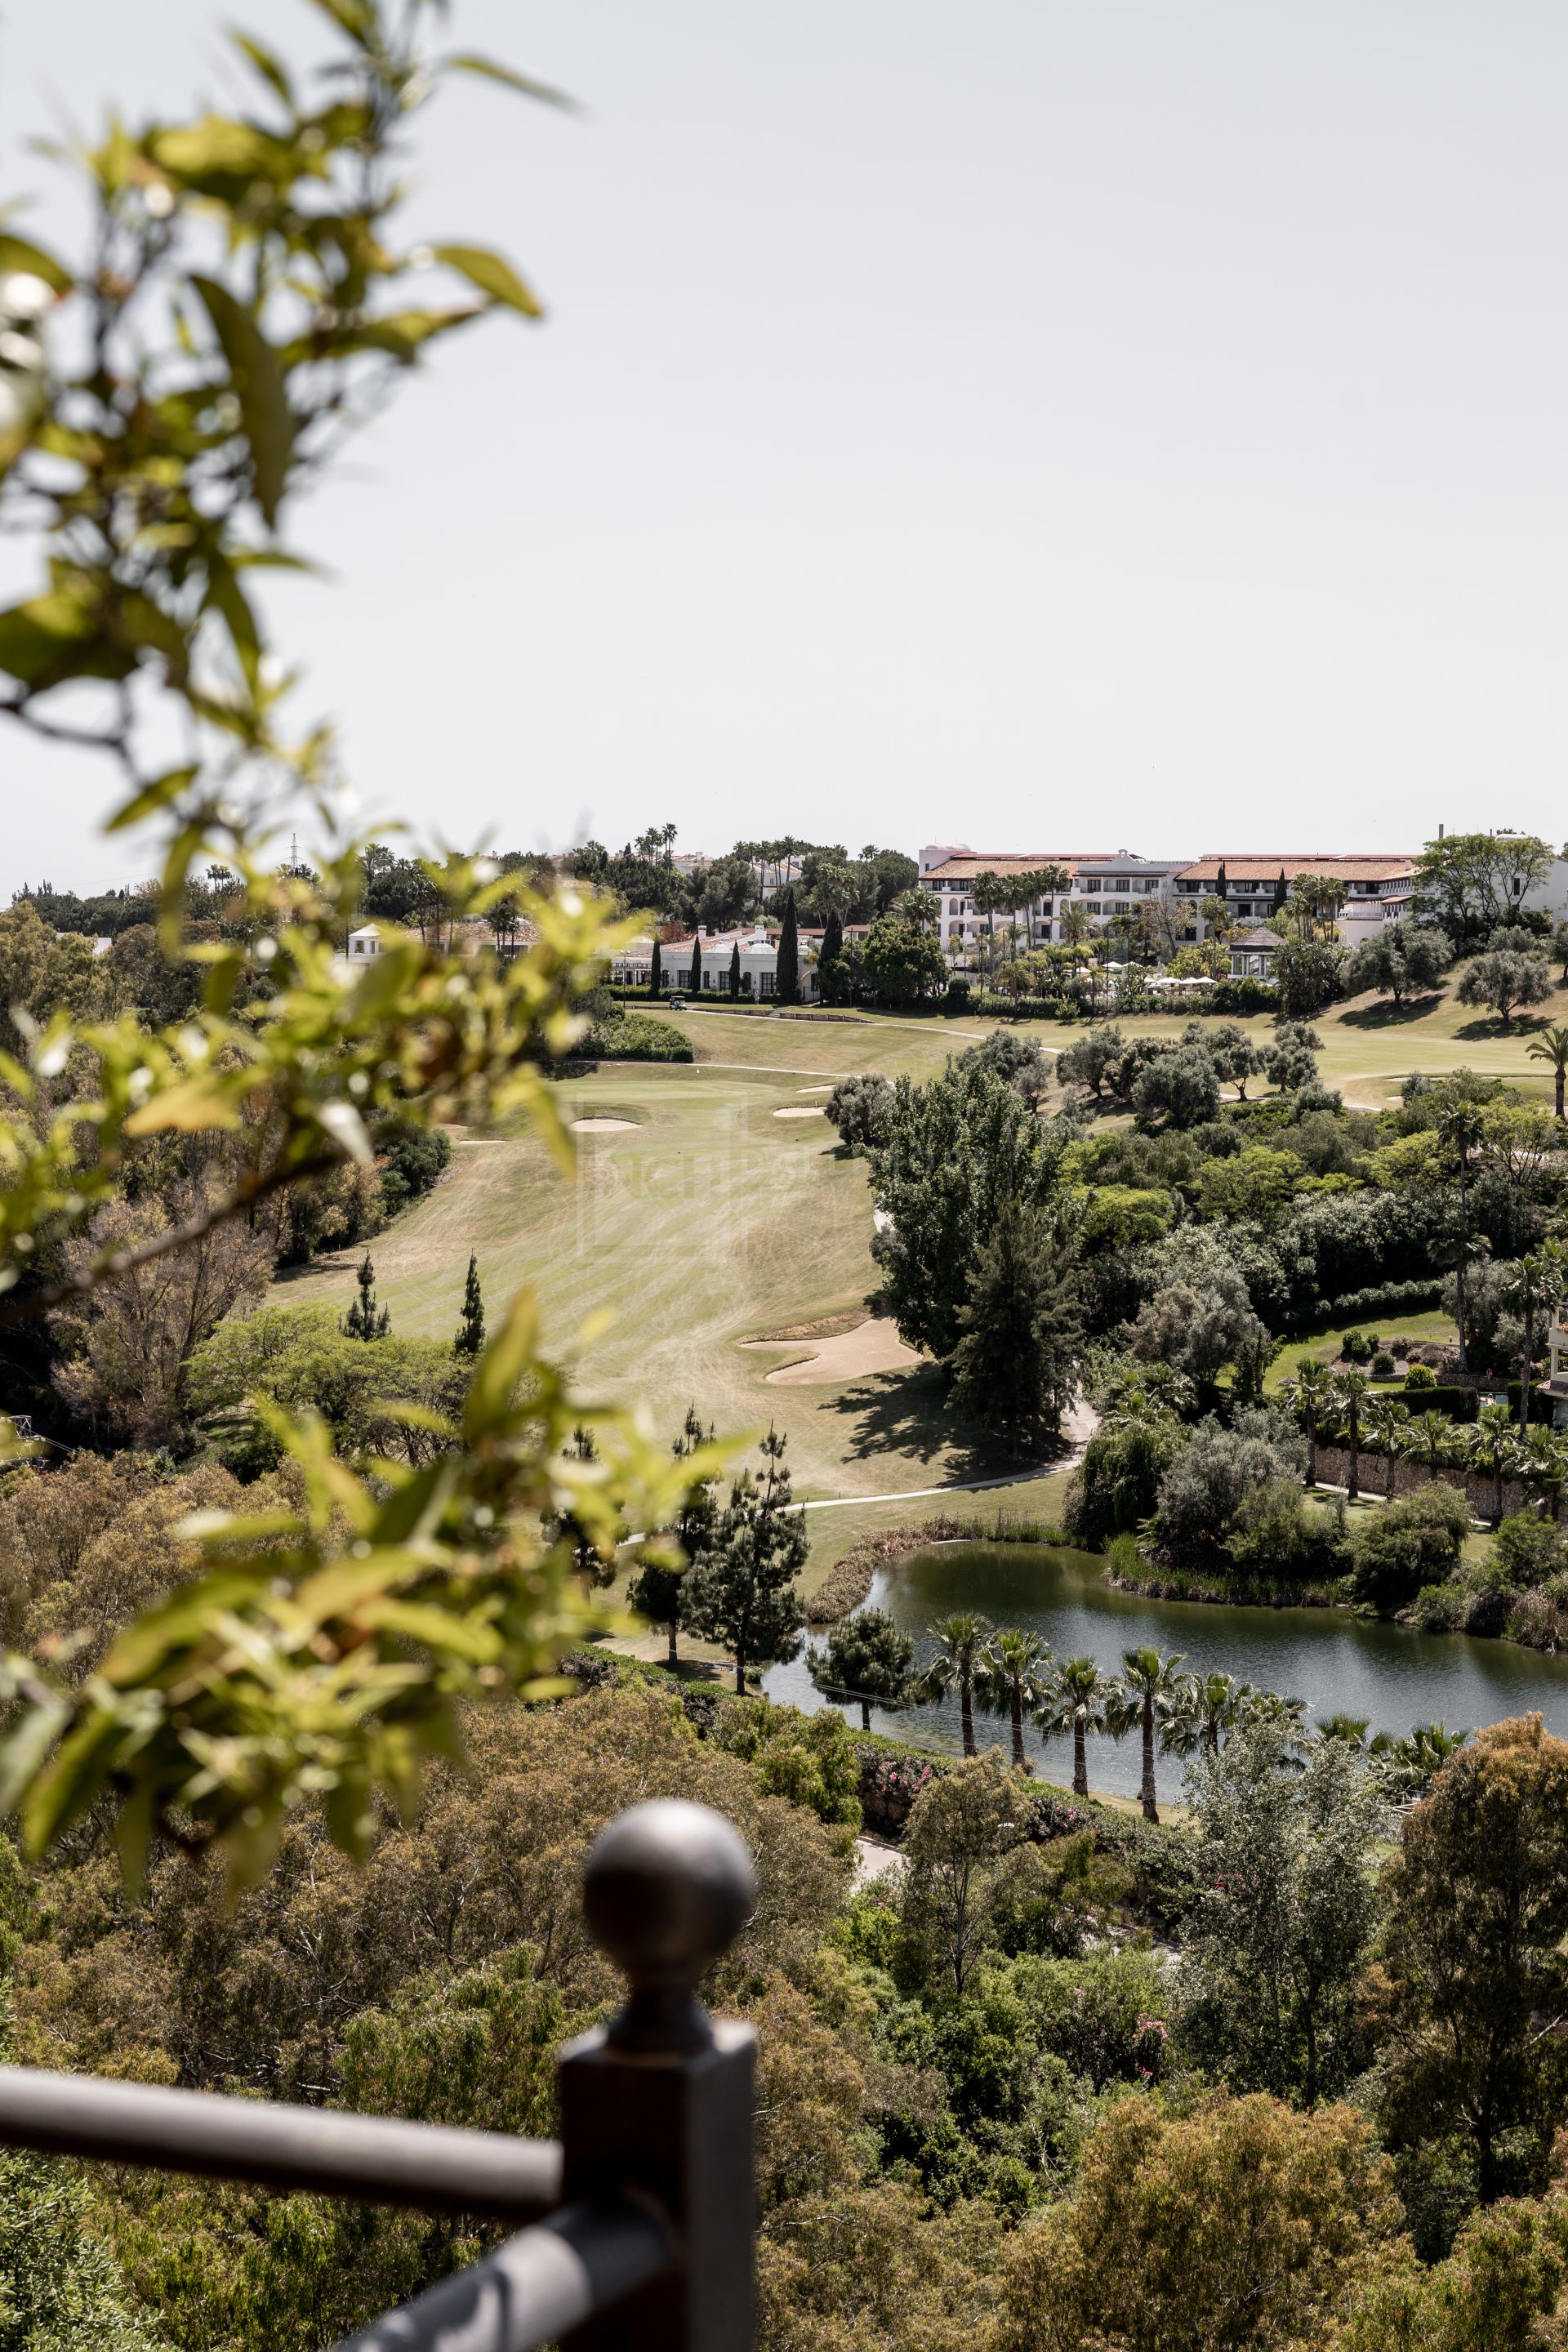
(1350, 1729)
(1150, 1684)
(1351, 1387)
(1544, 1458)
(1207, 1705)
(963, 1639)
(1410, 1766)
(1075, 1699)
(1431, 1435)
(1539, 1274)
(1009, 1680)
(1551, 1045)
(990, 893)
(1492, 1447)
(1386, 1422)
(1462, 1126)
(1309, 1392)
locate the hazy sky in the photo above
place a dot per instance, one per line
(1132, 423)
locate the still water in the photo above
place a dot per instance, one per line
(1335, 1662)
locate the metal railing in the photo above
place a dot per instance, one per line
(644, 2227)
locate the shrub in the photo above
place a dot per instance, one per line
(1382, 1365)
(1355, 1349)
(1530, 1550)
(1115, 1486)
(1202, 1493)
(1272, 1528)
(409, 1165)
(1416, 1541)
(1420, 1376)
(858, 1109)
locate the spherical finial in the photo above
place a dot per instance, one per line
(667, 1887)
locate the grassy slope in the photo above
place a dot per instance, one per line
(712, 1221)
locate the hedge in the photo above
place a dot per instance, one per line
(1355, 1305)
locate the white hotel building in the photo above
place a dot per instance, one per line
(1102, 883)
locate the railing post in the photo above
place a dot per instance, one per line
(660, 2103)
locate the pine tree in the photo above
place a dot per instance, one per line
(787, 988)
(658, 1592)
(1014, 1365)
(745, 1594)
(867, 1660)
(471, 1335)
(656, 971)
(364, 1319)
(736, 971)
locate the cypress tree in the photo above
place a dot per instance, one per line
(364, 1319)
(735, 970)
(471, 1335)
(788, 984)
(1014, 1364)
(696, 958)
(832, 955)
(656, 971)
(1280, 893)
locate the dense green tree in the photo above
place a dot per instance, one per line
(1504, 979)
(1400, 959)
(963, 1832)
(742, 1593)
(900, 962)
(1310, 974)
(656, 971)
(868, 1660)
(735, 971)
(1181, 1086)
(1472, 882)
(1234, 2226)
(300, 1358)
(956, 1152)
(1273, 1951)
(1475, 1959)
(1417, 1541)
(859, 1107)
(1021, 1328)
(1091, 1059)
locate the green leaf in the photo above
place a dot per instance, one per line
(54, 637)
(266, 63)
(491, 69)
(26, 1746)
(151, 797)
(354, 17)
(493, 275)
(226, 596)
(262, 392)
(18, 253)
(217, 148)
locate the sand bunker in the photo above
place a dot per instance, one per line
(873, 1346)
(816, 1110)
(817, 1090)
(604, 1126)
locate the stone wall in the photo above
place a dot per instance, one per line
(1334, 1468)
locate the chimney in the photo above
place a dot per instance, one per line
(1439, 833)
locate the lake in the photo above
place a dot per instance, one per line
(1337, 1663)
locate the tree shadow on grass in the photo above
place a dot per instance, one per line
(911, 1414)
(1388, 1014)
(1490, 1029)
